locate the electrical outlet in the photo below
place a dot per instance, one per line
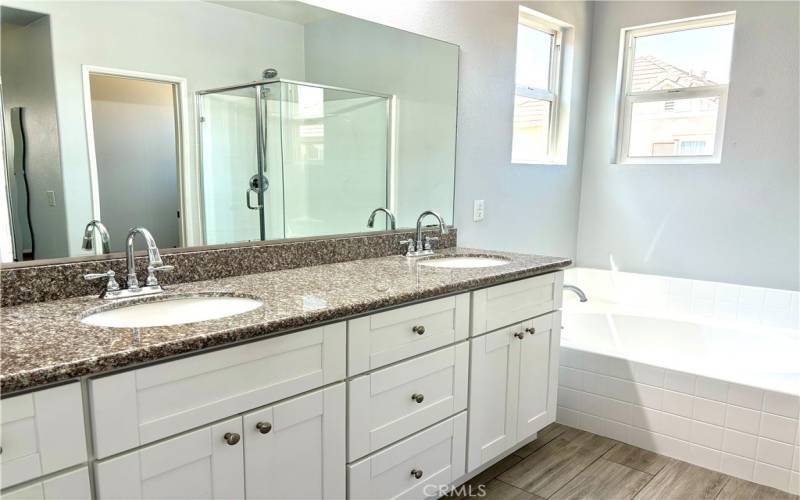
(51, 198)
(477, 210)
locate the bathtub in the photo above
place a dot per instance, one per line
(709, 389)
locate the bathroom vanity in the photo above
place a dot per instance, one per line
(375, 378)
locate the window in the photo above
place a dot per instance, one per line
(675, 89)
(536, 98)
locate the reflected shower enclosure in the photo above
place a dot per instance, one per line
(285, 159)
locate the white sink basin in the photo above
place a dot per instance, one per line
(464, 262)
(172, 311)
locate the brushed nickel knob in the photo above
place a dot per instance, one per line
(419, 398)
(418, 329)
(264, 427)
(531, 330)
(520, 335)
(417, 473)
(232, 438)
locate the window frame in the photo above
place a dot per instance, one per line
(627, 98)
(540, 22)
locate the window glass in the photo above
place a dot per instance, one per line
(534, 50)
(686, 128)
(531, 128)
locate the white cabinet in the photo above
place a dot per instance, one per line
(141, 406)
(72, 485)
(204, 464)
(421, 466)
(510, 303)
(42, 432)
(513, 386)
(296, 449)
(383, 338)
(390, 404)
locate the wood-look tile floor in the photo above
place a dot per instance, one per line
(568, 464)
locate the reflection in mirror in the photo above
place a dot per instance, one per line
(243, 121)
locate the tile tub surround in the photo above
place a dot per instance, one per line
(22, 283)
(46, 343)
(742, 431)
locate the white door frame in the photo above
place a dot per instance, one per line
(182, 138)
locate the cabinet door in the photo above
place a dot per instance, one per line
(510, 303)
(538, 380)
(203, 464)
(296, 449)
(494, 387)
(70, 486)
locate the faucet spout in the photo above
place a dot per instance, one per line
(439, 220)
(88, 236)
(153, 254)
(577, 291)
(389, 215)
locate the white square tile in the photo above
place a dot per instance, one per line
(796, 460)
(737, 467)
(742, 419)
(775, 477)
(774, 453)
(704, 457)
(572, 358)
(570, 377)
(567, 416)
(680, 287)
(726, 309)
(794, 483)
(710, 388)
(748, 397)
(675, 426)
(777, 299)
(712, 412)
(569, 398)
(750, 296)
(618, 431)
(727, 292)
(671, 447)
(707, 435)
(592, 423)
(704, 290)
(591, 403)
(749, 314)
(647, 374)
(740, 443)
(702, 307)
(679, 381)
(778, 403)
(778, 428)
(641, 438)
(677, 403)
(679, 305)
(649, 396)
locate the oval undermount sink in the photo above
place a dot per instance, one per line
(171, 311)
(464, 262)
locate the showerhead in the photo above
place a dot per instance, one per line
(270, 73)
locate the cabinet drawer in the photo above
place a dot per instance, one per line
(42, 432)
(437, 454)
(69, 486)
(151, 403)
(382, 405)
(198, 465)
(510, 303)
(387, 337)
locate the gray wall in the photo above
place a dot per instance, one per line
(735, 222)
(528, 208)
(27, 71)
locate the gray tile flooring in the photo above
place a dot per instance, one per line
(567, 464)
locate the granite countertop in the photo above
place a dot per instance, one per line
(45, 342)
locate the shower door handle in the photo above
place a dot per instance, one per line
(250, 205)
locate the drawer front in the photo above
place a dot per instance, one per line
(437, 455)
(511, 303)
(197, 465)
(391, 336)
(68, 486)
(144, 405)
(42, 432)
(382, 405)
(296, 449)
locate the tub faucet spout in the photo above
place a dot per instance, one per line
(578, 292)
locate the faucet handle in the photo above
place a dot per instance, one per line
(429, 241)
(412, 245)
(111, 285)
(151, 273)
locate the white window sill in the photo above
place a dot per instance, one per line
(651, 163)
(540, 163)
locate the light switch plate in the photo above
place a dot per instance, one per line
(477, 211)
(51, 198)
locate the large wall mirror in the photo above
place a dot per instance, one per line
(216, 122)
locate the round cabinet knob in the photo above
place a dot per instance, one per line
(264, 427)
(232, 438)
(418, 329)
(417, 473)
(419, 398)
(520, 335)
(531, 330)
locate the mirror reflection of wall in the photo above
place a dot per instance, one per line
(358, 116)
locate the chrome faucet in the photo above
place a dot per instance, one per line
(155, 264)
(577, 291)
(88, 236)
(424, 245)
(389, 215)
